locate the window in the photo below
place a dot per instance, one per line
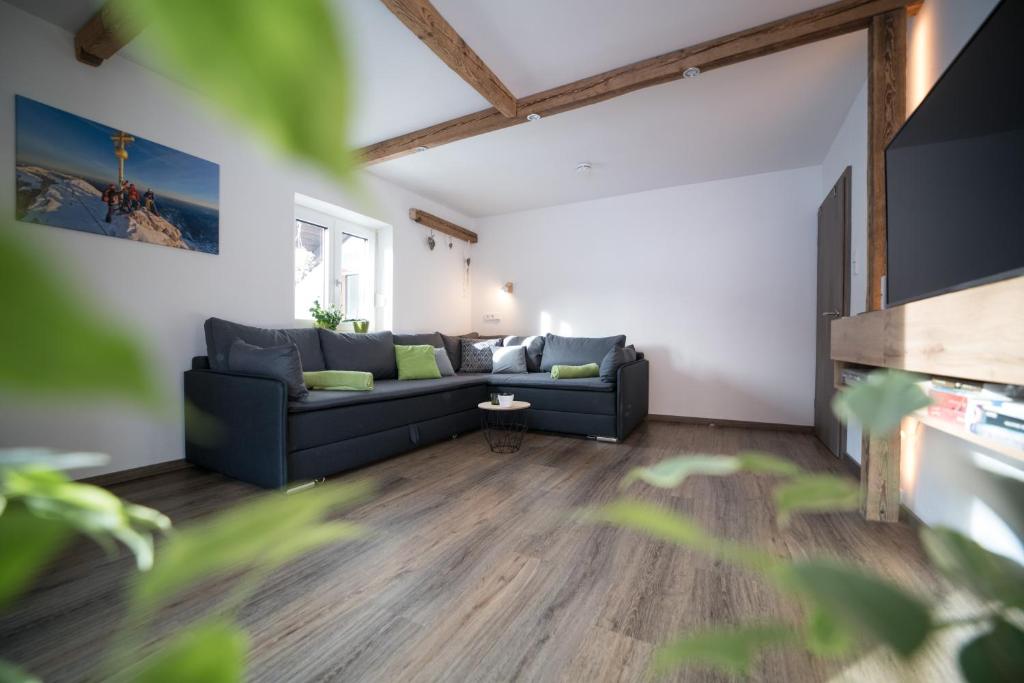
(312, 264)
(334, 264)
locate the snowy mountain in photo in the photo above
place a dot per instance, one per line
(55, 198)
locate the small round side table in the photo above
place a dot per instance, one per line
(504, 426)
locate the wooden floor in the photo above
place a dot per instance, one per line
(476, 570)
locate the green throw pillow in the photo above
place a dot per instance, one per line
(575, 371)
(339, 380)
(416, 362)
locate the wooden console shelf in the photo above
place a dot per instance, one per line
(975, 334)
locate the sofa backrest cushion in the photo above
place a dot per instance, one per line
(616, 357)
(280, 362)
(372, 352)
(560, 350)
(478, 354)
(453, 345)
(534, 349)
(426, 338)
(221, 334)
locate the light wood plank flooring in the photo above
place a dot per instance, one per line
(475, 569)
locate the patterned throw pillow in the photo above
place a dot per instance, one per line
(477, 354)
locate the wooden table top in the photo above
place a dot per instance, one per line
(516, 405)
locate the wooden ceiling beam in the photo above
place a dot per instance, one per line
(103, 35)
(421, 17)
(837, 18)
(441, 225)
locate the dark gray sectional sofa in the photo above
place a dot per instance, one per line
(262, 437)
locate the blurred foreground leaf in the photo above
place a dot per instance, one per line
(672, 472)
(9, 673)
(277, 66)
(664, 524)
(54, 344)
(875, 607)
(965, 563)
(262, 533)
(732, 651)
(91, 510)
(881, 401)
(825, 635)
(815, 493)
(211, 652)
(996, 656)
(28, 544)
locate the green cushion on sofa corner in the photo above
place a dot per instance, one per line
(575, 371)
(339, 380)
(416, 362)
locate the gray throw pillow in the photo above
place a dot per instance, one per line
(577, 350)
(221, 334)
(509, 360)
(616, 357)
(534, 349)
(279, 362)
(477, 354)
(453, 345)
(370, 352)
(444, 364)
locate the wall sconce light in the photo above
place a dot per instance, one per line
(507, 287)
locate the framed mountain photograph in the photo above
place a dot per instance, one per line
(81, 175)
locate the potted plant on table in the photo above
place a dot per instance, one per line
(327, 318)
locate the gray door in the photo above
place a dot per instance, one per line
(833, 302)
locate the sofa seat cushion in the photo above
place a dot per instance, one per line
(542, 380)
(549, 398)
(330, 417)
(384, 390)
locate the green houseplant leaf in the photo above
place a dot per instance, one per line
(277, 66)
(54, 344)
(866, 603)
(965, 563)
(672, 472)
(815, 493)
(996, 656)
(732, 651)
(211, 652)
(9, 673)
(36, 540)
(881, 401)
(264, 532)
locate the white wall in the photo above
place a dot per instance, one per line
(165, 294)
(715, 282)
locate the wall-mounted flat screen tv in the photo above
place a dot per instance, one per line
(955, 171)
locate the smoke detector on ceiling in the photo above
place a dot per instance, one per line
(533, 117)
(583, 168)
(692, 72)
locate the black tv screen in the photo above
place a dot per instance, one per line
(955, 171)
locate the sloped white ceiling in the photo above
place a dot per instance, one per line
(772, 113)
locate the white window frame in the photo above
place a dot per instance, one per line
(336, 227)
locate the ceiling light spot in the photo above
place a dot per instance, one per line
(421, 148)
(692, 72)
(533, 117)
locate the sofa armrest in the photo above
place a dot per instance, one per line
(632, 390)
(235, 425)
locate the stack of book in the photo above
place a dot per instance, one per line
(990, 410)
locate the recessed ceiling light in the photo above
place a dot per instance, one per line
(421, 148)
(533, 117)
(692, 72)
